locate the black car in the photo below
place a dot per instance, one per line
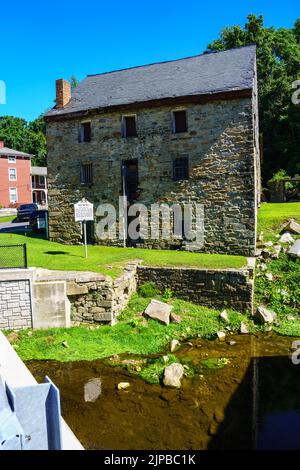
(38, 219)
(25, 211)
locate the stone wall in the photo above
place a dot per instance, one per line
(101, 300)
(212, 288)
(15, 304)
(222, 148)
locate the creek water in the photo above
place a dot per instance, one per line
(252, 401)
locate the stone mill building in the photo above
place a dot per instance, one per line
(179, 131)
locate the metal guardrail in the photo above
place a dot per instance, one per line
(13, 256)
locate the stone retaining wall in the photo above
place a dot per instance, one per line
(15, 304)
(212, 288)
(103, 299)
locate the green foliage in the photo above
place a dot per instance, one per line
(278, 65)
(29, 137)
(153, 372)
(167, 295)
(283, 293)
(215, 362)
(148, 290)
(278, 176)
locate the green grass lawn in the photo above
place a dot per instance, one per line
(8, 218)
(131, 335)
(110, 260)
(271, 216)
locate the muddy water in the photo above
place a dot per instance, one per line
(252, 402)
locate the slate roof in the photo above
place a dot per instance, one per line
(13, 153)
(204, 74)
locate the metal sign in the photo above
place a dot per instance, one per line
(84, 211)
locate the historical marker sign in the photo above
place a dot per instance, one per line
(84, 211)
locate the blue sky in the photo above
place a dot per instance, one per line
(45, 40)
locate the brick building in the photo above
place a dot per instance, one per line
(15, 179)
(180, 131)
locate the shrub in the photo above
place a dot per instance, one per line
(148, 289)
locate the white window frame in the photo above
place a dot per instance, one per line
(9, 175)
(12, 160)
(16, 193)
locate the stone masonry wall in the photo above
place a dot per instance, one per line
(212, 288)
(101, 300)
(15, 305)
(221, 145)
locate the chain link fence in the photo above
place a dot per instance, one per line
(13, 256)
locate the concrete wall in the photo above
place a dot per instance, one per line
(222, 147)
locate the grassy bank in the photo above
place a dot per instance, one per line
(8, 218)
(133, 334)
(111, 260)
(272, 216)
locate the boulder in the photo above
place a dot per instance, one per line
(269, 276)
(159, 311)
(123, 385)
(174, 344)
(173, 375)
(175, 318)
(291, 226)
(263, 315)
(221, 335)
(224, 316)
(294, 251)
(244, 329)
(286, 238)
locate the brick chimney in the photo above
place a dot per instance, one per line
(1, 144)
(63, 93)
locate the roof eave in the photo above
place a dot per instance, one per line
(196, 98)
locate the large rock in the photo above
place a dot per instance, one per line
(159, 311)
(263, 315)
(294, 251)
(291, 226)
(286, 238)
(173, 375)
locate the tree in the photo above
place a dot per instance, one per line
(278, 66)
(30, 137)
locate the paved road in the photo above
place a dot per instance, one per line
(10, 227)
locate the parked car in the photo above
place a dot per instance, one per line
(38, 219)
(25, 211)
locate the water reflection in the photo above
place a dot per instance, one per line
(251, 402)
(92, 390)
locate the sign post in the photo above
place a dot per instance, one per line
(84, 211)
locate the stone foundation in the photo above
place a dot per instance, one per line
(15, 304)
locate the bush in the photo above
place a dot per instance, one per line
(148, 290)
